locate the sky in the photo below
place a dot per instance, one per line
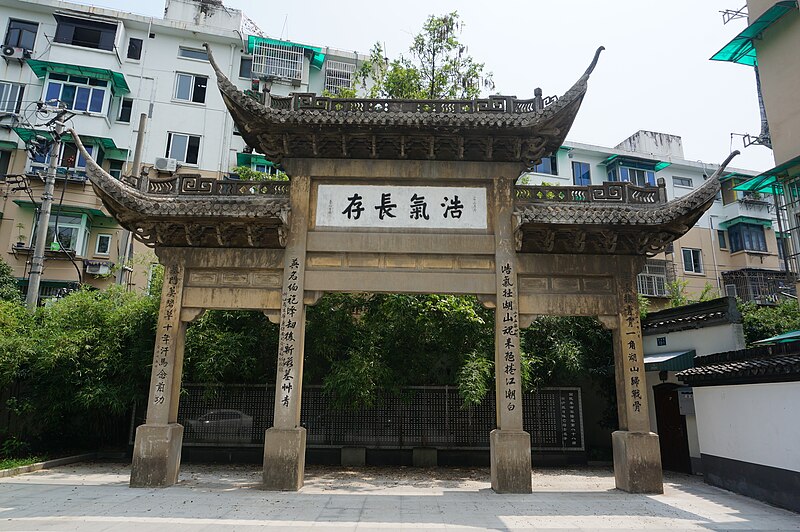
(655, 73)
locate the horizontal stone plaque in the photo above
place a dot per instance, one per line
(371, 206)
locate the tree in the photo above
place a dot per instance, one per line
(9, 290)
(763, 321)
(439, 66)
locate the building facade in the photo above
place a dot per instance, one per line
(733, 249)
(107, 68)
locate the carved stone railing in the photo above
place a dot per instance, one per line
(608, 192)
(195, 185)
(493, 104)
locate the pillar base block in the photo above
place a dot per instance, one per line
(156, 455)
(284, 459)
(510, 455)
(637, 462)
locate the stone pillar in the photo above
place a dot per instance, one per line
(637, 455)
(510, 446)
(157, 448)
(285, 441)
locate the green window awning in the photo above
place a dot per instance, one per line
(317, 56)
(741, 49)
(108, 144)
(116, 154)
(767, 184)
(6, 145)
(117, 79)
(249, 159)
(745, 220)
(672, 361)
(654, 165)
(96, 213)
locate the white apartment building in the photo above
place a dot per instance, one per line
(108, 67)
(736, 248)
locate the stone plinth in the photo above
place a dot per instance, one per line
(510, 461)
(284, 459)
(637, 462)
(156, 455)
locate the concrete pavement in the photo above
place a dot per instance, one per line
(96, 497)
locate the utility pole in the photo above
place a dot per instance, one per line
(125, 240)
(40, 235)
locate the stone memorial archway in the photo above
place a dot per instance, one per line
(400, 196)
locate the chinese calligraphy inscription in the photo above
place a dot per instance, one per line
(401, 207)
(291, 310)
(632, 379)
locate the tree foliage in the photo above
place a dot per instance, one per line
(9, 290)
(438, 67)
(763, 321)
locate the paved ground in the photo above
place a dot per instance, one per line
(96, 497)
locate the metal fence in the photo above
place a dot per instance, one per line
(238, 415)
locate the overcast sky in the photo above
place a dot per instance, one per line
(654, 75)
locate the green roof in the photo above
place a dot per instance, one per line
(317, 56)
(8, 145)
(108, 144)
(745, 220)
(793, 336)
(28, 204)
(672, 361)
(117, 79)
(761, 183)
(249, 159)
(741, 49)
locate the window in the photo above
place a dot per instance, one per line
(245, 67)
(183, 148)
(85, 33)
(115, 169)
(77, 93)
(191, 88)
(580, 174)
(682, 181)
(10, 97)
(125, 110)
(73, 229)
(749, 237)
(277, 60)
(134, 48)
(21, 34)
(638, 177)
(338, 75)
(722, 238)
(103, 245)
(692, 260)
(546, 166)
(192, 53)
(661, 341)
(653, 279)
(69, 157)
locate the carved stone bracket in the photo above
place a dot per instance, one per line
(488, 300)
(312, 297)
(190, 315)
(273, 315)
(609, 322)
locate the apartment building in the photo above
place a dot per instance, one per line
(108, 67)
(736, 248)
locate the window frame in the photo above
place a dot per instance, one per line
(696, 256)
(81, 236)
(675, 183)
(97, 251)
(131, 40)
(541, 167)
(588, 174)
(649, 176)
(202, 54)
(171, 145)
(338, 75)
(54, 79)
(747, 237)
(722, 238)
(242, 60)
(121, 107)
(192, 87)
(5, 105)
(85, 24)
(19, 42)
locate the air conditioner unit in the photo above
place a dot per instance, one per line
(98, 269)
(164, 164)
(11, 52)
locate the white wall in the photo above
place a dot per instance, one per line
(756, 423)
(716, 339)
